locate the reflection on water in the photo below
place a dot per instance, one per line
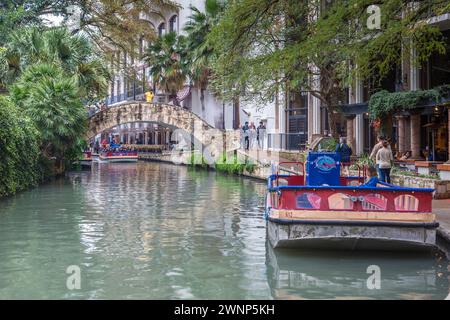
(344, 275)
(147, 231)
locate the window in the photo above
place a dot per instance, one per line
(340, 201)
(406, 202)
(308, 200)
(374, 202)
(173, 24)
(161, 29)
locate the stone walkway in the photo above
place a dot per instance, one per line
(442, 210)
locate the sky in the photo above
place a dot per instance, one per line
(52, 20)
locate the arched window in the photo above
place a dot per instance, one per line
(173, 24)
(308, 200)
(374, 202)
(406, 202)
(340, 201)
(161, 29)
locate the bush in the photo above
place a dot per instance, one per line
(234, 166)
(19, 151)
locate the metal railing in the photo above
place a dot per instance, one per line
(287, 141)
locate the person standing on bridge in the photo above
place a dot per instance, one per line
(149, 96)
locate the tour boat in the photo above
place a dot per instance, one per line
(119, 156)
(86, 160)
(316, 207)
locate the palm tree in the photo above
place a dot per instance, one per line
(73, 53)
(51, 100)
(200, 53)
(167, 59)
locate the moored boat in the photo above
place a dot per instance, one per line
(86, 160)
(318, 208)
(119, 156)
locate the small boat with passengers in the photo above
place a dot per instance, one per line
(315, 207)
(86, 160)
(115, 153)
(119, 156)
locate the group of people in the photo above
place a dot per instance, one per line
(253, 136)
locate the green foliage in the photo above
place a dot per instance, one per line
(72, 53)
(266, 46)
(197, 160)
(384, 103)
(233, 165)
(51, 101)
(363, 161)
(167, 58)
(200, 53)
(19, 150)
(328, 144)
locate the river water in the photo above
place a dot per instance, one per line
(158, 231)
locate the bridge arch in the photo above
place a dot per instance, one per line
(165, 114)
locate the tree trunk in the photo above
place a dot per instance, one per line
(59, 167)
(237, 120)
(332, 122)
(202, 101)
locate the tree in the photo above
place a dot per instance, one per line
(108, 23)
(19, 150)
(168, 64)
(315, 46)
(200, 52)
(51, 100)
(73, 53)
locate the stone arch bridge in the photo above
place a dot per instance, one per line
(165, 114)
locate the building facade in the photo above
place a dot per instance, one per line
(295, 119)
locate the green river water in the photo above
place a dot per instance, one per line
(158, 231)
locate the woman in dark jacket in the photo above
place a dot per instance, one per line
(345, 151)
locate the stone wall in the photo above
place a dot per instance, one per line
(442, 187)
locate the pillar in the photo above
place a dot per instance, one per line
(401, 134)
(359, 134)
(350, 131)
(415, 136)
(359, 122)
(317, 128)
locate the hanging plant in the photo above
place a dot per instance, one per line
(384, 103)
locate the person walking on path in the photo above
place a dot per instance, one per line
(260, 134)
(252, 135)
(384, 160)
(345, 151)
(374, 152)
(245, 131)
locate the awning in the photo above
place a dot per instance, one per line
(183, 93)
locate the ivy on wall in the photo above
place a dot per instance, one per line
(384, 103)
(19, 151)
